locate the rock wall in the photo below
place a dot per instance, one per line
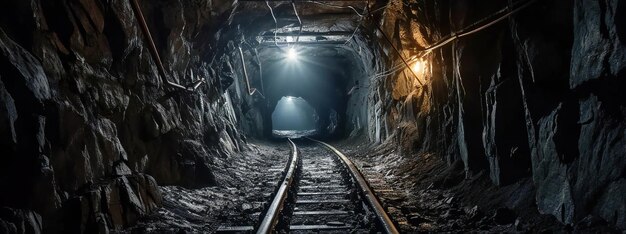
(539, 94)
(87, 128)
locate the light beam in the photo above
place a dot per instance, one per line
(292, 54)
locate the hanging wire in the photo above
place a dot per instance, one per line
(466, 31)
(462, 33)
(361, 16)
(275, 22)
(295, 10)
(398, 52)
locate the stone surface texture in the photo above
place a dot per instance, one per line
(539, 95)
(88, 130)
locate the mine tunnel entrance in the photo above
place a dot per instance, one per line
(317, 77)
(294, 116)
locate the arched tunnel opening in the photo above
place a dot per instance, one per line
(315, 75)
(280, 116)
(294, 115)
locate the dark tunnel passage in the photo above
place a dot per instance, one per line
(294, 114)
(315, 75)
(300, 116)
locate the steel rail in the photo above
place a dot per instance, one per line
(273, 213)
(381, 214)
(155, 53)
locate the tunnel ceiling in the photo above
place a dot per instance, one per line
(327, 26)
(113, 111)
(328, 43)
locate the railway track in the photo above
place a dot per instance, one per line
(321, 191)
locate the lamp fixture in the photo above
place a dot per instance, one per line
(292, 54)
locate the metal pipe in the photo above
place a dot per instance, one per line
(256, 53)
(245, 71)
(197, 84)
(151, 46)
(461, 34)
(251, 90)
(153, 50)
(457, 35)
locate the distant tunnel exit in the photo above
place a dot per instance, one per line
(293, 115)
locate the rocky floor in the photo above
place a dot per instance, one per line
(426, 195)
(245, 183)
(421, 193)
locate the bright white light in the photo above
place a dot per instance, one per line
(292, 54)
(418, 67)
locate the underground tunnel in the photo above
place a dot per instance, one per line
(307, 116)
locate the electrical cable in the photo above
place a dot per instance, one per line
(460, 34)
(293, 4)
(360, 22)
(275, 22)
(457, 35)
(398, 52)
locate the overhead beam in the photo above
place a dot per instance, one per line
(303, 1)
(308, 34)
(319, 15)
(302, 43)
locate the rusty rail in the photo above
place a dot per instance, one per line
(155, 53)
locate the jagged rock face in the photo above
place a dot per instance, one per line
(538, 95)
(19, 221)
(87, 128)
(86, 122)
